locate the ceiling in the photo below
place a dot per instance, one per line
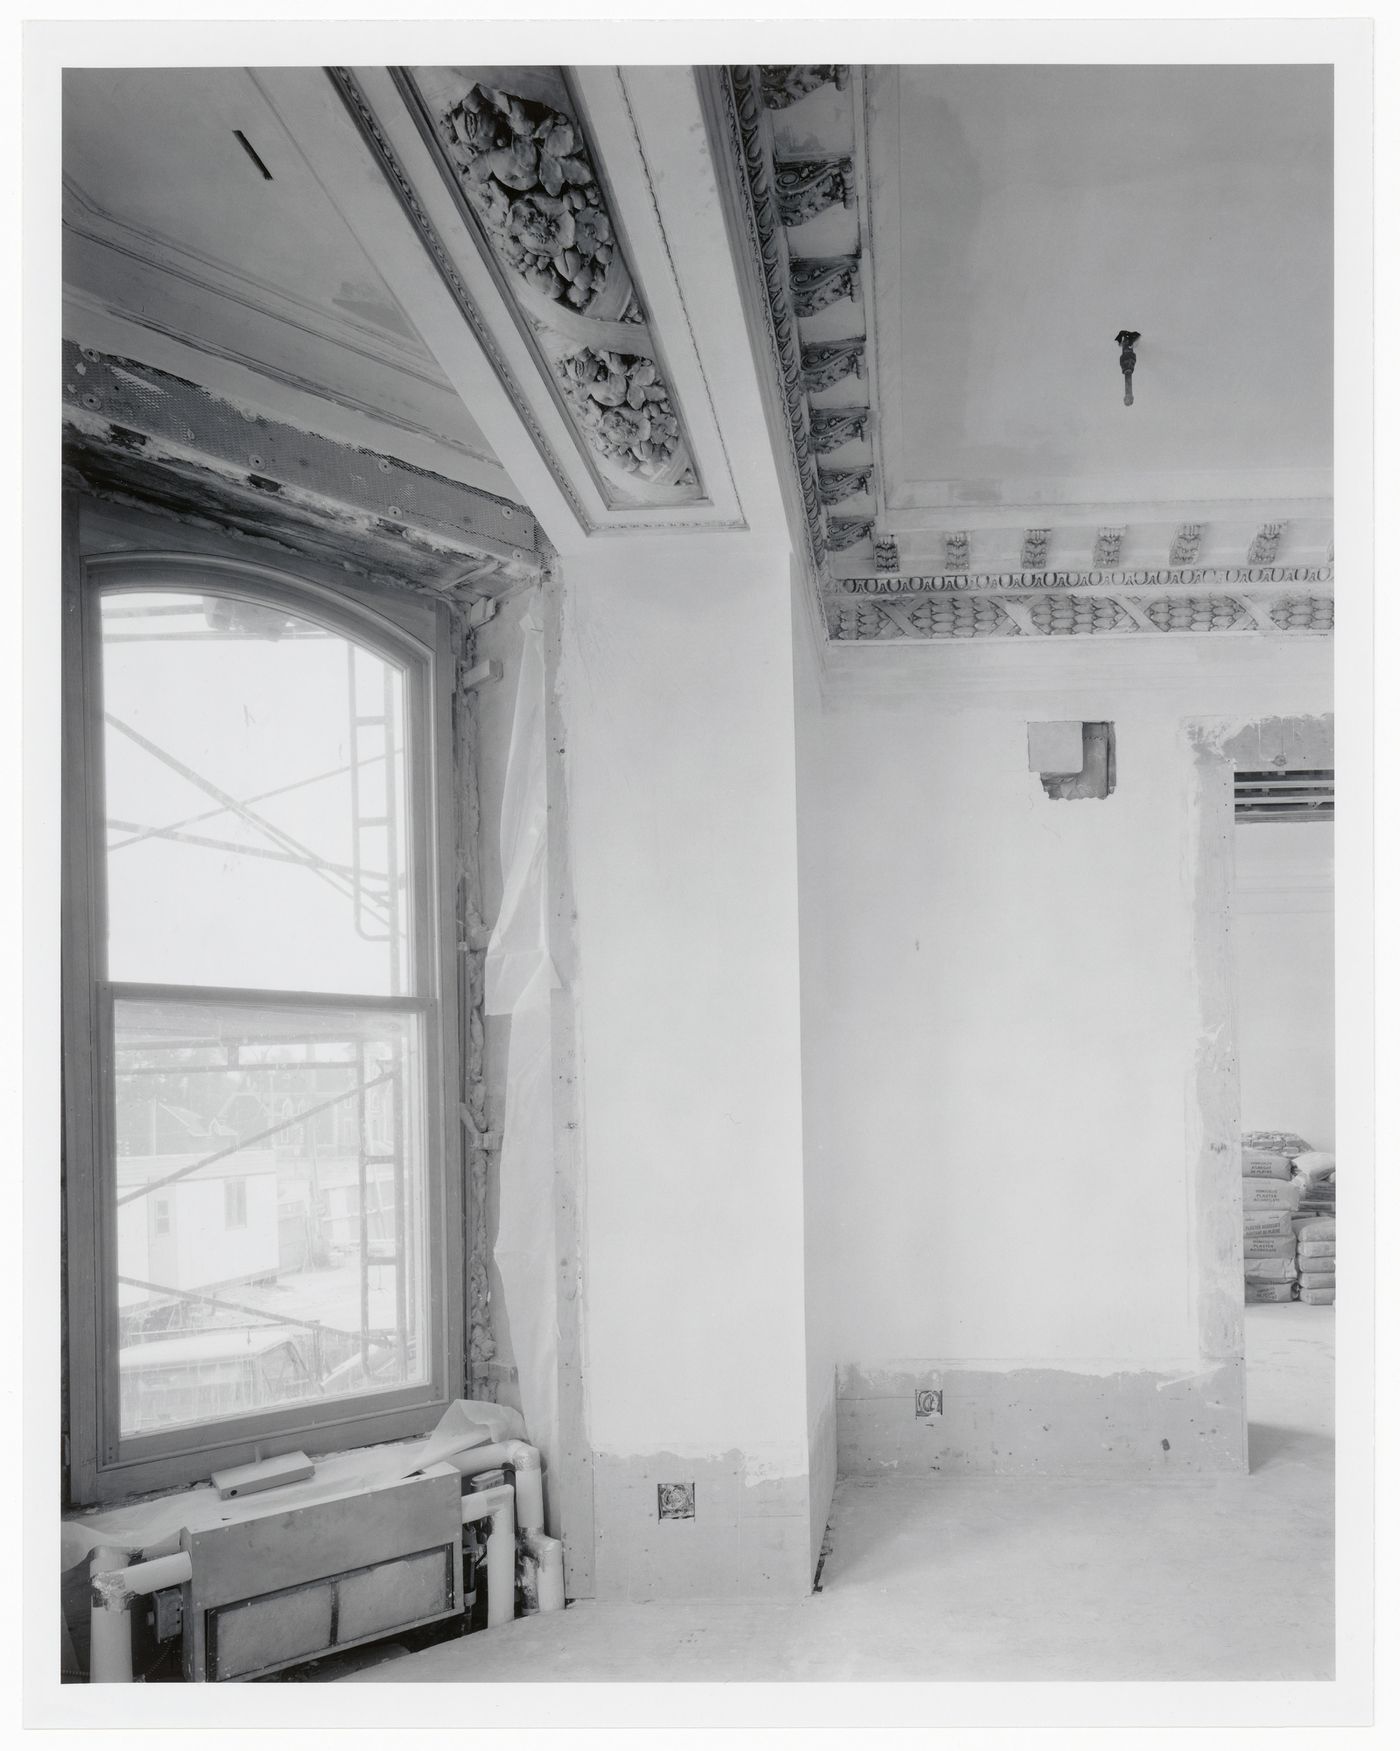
(949, 257)
(945, 255)
(172, 230)
(1022, 216)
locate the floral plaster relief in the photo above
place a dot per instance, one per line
(519, 155)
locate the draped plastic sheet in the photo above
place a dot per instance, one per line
(520, 978)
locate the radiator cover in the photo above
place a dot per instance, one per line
(274, 1589)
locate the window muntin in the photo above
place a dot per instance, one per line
(157, 1427)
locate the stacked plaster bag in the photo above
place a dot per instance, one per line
(1270, 1200)
(1317, 1260)
(1315, 1170)
(1287, 1143)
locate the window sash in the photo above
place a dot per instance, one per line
(414, 632)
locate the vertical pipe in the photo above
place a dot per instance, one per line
(499, 1503)
(548, 1554)
(109, 1659)
(500, 1568)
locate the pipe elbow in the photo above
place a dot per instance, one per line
(110, 1591)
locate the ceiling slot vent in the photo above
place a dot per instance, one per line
(249, 148)
(1305, 794)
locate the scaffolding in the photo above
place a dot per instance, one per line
(382, 1353)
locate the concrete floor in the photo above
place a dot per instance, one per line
(999, 1578)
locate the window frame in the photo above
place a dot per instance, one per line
(105, 551)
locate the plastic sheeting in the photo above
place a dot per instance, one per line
(520, 977)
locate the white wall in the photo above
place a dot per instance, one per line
(1002, 1013)
(820, 1322)
(677, 703)
(1282, 935)
(678, 708)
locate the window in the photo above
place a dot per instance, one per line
(260, 1163)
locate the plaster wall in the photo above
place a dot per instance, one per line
(1283, 941)
(820, 1326)
(1002, 1036)
(676, 694)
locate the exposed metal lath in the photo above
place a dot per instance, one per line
(1300, 795)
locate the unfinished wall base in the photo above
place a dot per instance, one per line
(1038, 1419)
(821, 1438)
(748, 1537)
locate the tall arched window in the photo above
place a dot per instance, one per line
(263, 1213)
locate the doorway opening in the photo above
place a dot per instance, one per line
(1281, 962)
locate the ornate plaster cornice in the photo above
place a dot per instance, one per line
(1253, 600)
(738, 99)
(1126, 578)
(515, 153)
(781, 191)
(372, 133)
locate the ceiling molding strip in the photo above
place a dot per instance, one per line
(1251, 600)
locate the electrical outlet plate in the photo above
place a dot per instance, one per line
(675, 1501)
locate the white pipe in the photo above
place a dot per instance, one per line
(109, 1657)
(499, 1503)
(548, 1554)
(115, 1583)
(524, 1461)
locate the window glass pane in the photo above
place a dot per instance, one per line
(257, 830)
(269, 1208)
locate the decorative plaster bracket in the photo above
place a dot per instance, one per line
(839, 484)
(1035, 549)
(808, 186)
(1263, 550)
(783, 86)
(831, 427)
(1108, 546)
(1187, 544)
(825, 364)
(819, 281)
(844, 532)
